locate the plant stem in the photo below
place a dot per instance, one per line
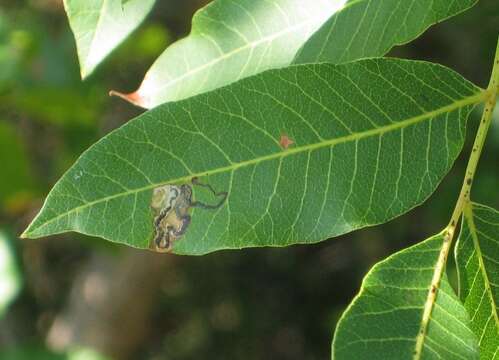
(485, 121)
(462, 201)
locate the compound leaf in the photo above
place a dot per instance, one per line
(477, 254)
(101, 25)
(233, 39)
(305, 153)
(384, 320)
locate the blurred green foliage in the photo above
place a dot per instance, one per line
(10, 277)
(32, 352)
(16, 176)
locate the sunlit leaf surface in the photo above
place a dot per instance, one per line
(304, 153)
(100, 25)
(477, 257)
(232, 39)
(229, 40)
(384, 320)
(372, 27)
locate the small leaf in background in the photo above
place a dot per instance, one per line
(231, 40)
(101, 25)
(477, 258)
(10, 278)
(371, 140)
(385, 318)
(371, 28)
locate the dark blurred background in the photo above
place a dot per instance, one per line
(78, 297)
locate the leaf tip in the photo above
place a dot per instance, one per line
(85, 71)
(30, 231)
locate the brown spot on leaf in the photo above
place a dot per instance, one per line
(285, 141)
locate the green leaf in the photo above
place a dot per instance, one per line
(384, 320)
(10, 278)
(101, 25)
(477, 254)
(372, 139)
(233, 39)
(371, 28)
(230, 40)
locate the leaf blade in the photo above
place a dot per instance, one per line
(384, 319)
(475, 253)
(380, 25)
(231, 40)
(302, 194)
(101, 25)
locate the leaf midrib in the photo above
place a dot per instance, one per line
(470, 100)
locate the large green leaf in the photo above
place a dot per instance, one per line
(232, 39)
(372, 139)
(101, 25)
(384, 320)
(372, 27)
(477, 257)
